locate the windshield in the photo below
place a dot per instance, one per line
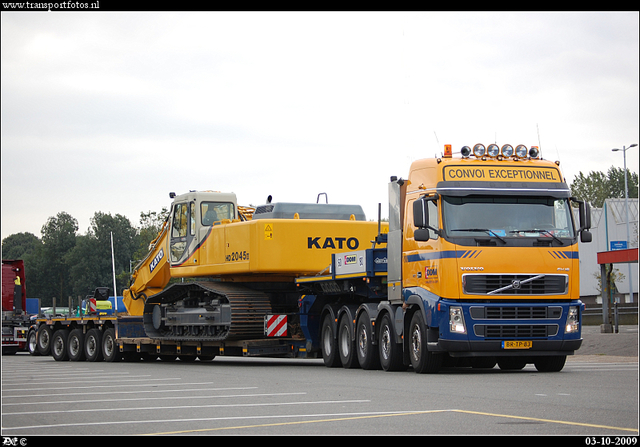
(507, 217)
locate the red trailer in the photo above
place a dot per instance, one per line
(15, 320)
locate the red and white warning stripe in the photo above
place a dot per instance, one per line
(276, 325)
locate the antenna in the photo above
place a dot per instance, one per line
(539, 144)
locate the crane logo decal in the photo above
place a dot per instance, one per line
(333, 242)
(156, 260)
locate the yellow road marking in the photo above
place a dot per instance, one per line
(553, 421)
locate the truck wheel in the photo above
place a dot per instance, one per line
(390, 351)
(511, 363)
(93, 345)
(43, 338)
(551, 363)
(329, 345)
(483, 362)
(346, 344)
(110, 349)
(422, 360)
(59, 345)
(367, 352)
(75, 345)
(32, 342)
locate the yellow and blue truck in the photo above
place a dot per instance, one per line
(478, 265)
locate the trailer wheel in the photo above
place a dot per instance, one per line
(346, 344)
(93, 345)
(32, 342)
(550, 363)
(110, 349)
(390, 351)
(43, 339)
(367, 352)
(75, 345)
(422, 360)
(329, 344)
(59, 345)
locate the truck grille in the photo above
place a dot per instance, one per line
(515, 312)
(516, 331)
(497, 285)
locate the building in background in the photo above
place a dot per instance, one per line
(609, 229)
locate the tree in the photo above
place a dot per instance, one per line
(91, 257)
(19, 245)
(598, 186)
(58, 237)
(150, 225)
(616, 183)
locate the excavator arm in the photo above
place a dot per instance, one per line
(151, 275)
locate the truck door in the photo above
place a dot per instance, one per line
(183, 232)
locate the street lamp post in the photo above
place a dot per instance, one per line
(626, 207)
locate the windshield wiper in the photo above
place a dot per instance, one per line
(538, 230)
(485, 230)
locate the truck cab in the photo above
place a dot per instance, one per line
(487, 246)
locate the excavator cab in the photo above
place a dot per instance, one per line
(193, 214)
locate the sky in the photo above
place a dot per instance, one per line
(111, 111)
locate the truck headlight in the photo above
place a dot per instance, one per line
(572, 321)
(456, 320)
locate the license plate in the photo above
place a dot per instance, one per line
(517, 344)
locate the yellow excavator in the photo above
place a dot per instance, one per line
(236, 264)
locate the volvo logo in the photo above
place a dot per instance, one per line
(515, 284)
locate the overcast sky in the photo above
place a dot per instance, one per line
(111, 111)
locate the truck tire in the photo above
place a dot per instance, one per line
(511, 363)
(110, 349)
(93, 345)
(329, 344)
(43, 338)
(32, 342)
(346, 344)
(75, 345)
(550, 363)
(422, 360)
(367, 352)
(390, 351)
(59, 350)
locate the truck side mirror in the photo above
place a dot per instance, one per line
(584, 212)
(421, 219)
(420, 213)
(585, 215)
(421, 235)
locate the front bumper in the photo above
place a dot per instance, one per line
(466, 348)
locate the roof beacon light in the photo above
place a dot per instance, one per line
(447, 151)
(507, 150)
(493, 150)
(479, 150)
(521, 151)
(534, 152)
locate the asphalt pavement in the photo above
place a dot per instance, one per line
(608, 347)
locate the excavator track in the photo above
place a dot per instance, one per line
(206, 311)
